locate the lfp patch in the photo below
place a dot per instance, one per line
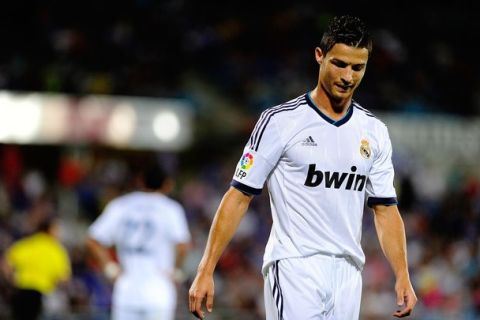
(246, 161)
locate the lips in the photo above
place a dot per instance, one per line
(343, 87)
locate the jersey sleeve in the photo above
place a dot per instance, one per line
(380, 189)
(260, 156)
(179, 229)
(105, 226)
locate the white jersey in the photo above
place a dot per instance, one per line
(317, 171)
(145, 228)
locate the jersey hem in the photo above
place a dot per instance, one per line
(359, 264)
(244, 188)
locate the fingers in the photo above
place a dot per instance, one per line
(409, 300)
(400, 299)
(402, 313)
(195, 303)
(210, 302)
(202, 288)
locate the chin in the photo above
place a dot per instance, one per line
(340, 96)
(340, 100)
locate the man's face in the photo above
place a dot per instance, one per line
(341, 70)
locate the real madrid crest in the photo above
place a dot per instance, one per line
(365, 150)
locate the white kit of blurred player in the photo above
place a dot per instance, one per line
(150, 233)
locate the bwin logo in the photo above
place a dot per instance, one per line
(335, 179)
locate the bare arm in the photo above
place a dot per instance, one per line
(109, 267)
(181, 250)
(391, 234)
(225, 223)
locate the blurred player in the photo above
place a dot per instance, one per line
(150, 233)
(319, 154)
(37, 264)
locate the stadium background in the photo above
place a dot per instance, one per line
(225, 63)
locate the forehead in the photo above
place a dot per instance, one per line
(348, 54)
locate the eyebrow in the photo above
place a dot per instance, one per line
(336, 60)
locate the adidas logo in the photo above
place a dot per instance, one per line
(309, 142)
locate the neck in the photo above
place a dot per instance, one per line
(333, 108)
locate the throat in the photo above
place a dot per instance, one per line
(333, 109)
(336, 111)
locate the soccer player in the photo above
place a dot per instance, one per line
(151, 237)
(319, 154)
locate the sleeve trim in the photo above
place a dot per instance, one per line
(382, 201)
(244, 188)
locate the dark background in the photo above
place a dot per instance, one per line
(230, 61)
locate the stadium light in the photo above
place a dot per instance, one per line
(122, 125)
(119, 121)
(166, 126)
(20, 117)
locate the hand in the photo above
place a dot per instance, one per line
(178, 276)
(202, 287)
(112, 271)
(405, 297)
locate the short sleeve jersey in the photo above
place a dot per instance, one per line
(145, 228)
(318, 172)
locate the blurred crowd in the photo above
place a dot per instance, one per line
(231, 59)
(255, 55)
(443, 233)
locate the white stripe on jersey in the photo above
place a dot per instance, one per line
(317, 170)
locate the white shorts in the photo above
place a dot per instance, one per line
(119, 313)
(144, 298)
(314, 287)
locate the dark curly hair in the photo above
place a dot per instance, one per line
(348, 30)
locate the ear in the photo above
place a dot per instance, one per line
(318, 55)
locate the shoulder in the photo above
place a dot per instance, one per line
(281, 113)
(174, 204)
(275, 118)
(375, 128)
(118, 201)
(131, 197)
(369, 117)
(18, 245)
(121, 202)
(162, 202)
(288, 108)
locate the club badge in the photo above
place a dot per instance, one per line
(365, 150)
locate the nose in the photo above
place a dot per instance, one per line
(347, 76)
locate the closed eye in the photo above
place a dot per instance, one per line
(339, 63)
(358, 67)
(343, 64)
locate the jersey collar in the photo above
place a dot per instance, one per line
(336, 123)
